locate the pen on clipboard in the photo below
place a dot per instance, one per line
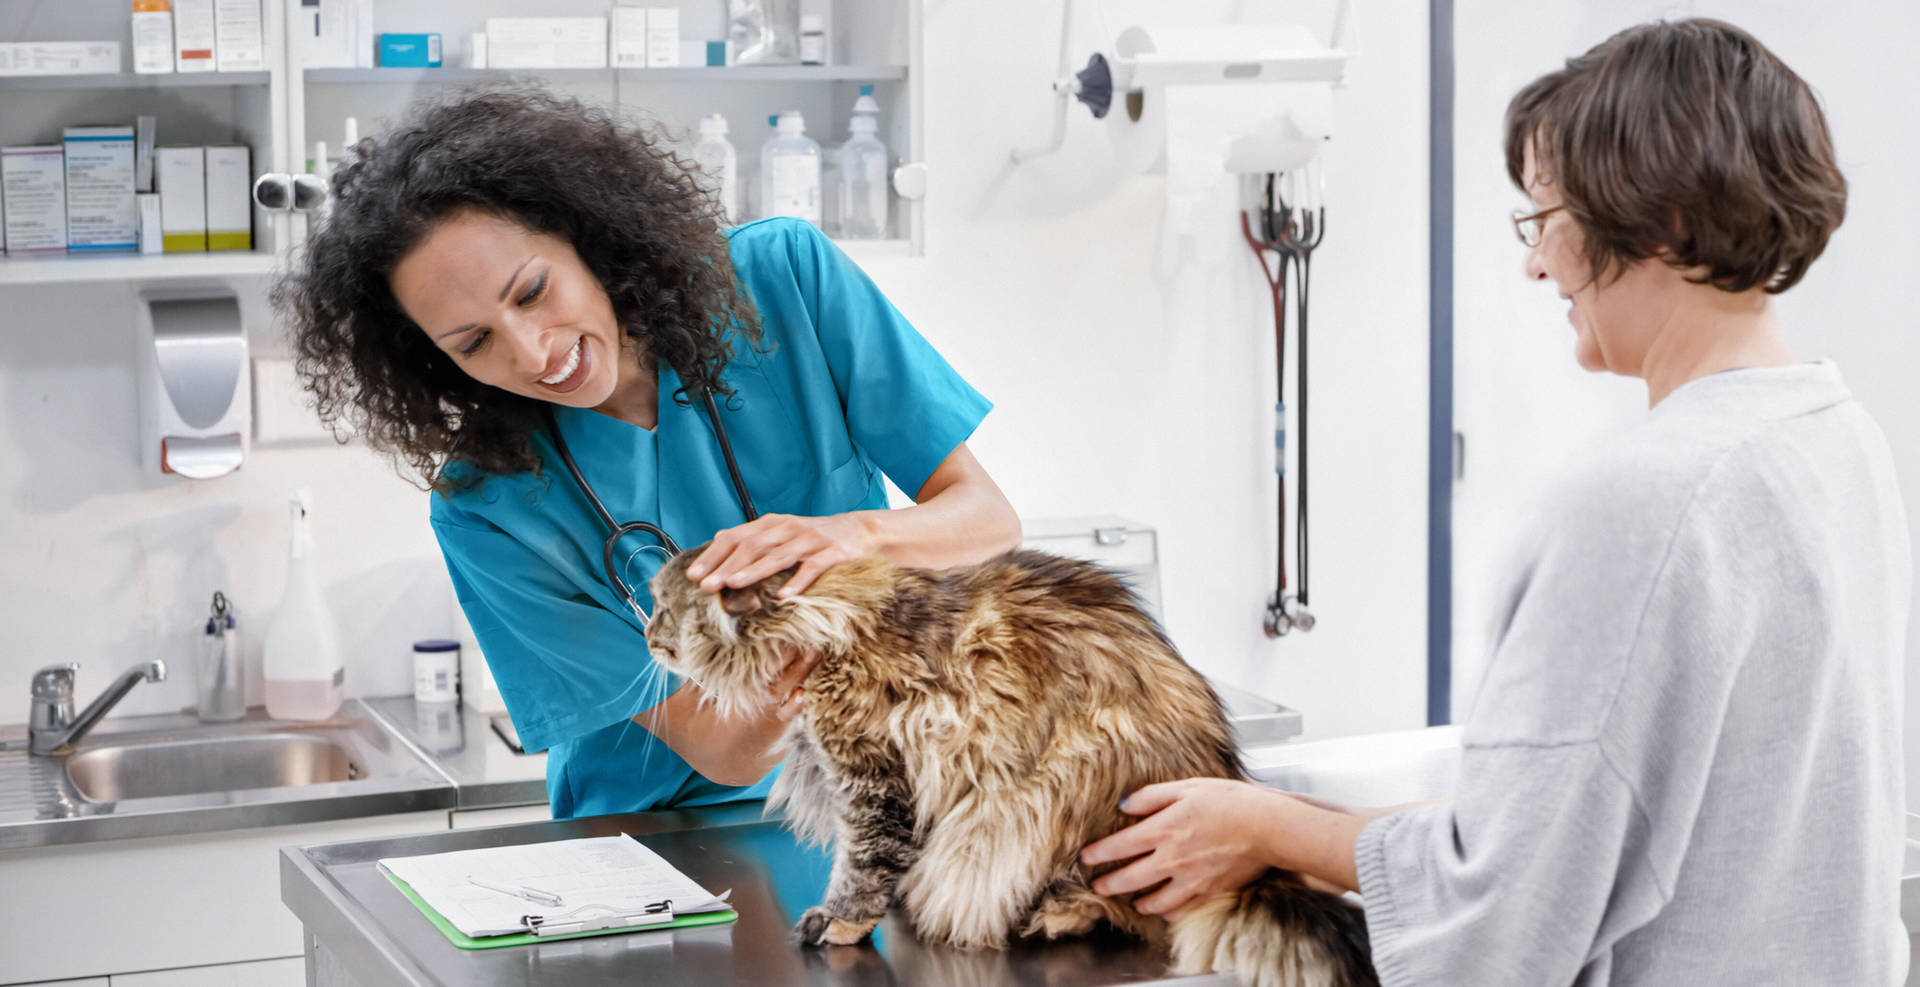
(531, 894)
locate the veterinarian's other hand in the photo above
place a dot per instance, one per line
(787, 695)
(745, 554)
(1202, 836)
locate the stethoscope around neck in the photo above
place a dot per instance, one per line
(617, 531)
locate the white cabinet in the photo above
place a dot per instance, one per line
(512, 815)
(162, 903)
(290, 971)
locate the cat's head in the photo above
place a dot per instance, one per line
(735, 642)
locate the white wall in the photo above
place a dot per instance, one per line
(1132, 373)
(1523, 404)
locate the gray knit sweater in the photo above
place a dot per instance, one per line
(1684, 764)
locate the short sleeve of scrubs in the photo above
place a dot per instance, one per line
(904, 406)
(841, 388)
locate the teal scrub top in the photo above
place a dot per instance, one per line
(846, 391)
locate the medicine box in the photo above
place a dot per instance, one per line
(150, 242)
(152, 36)
(33, 181)
(410, 51)
(59, 57)
(238, 42)
(180, 175)
(101, 211)
(663, 37)
(229, 207)
(193, 34)
(547, 42)
(629, 37)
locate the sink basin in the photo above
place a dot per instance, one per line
(161, 769)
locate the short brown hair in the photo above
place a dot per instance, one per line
(1689, 136)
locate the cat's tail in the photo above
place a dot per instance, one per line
(1276, 932)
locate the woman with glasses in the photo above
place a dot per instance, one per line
(508, 287)
(1684, 764)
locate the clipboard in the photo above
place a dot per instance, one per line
(641, 922)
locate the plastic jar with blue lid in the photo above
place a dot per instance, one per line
(436, 671)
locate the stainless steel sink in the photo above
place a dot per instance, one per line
(213, 764)
(139, 776)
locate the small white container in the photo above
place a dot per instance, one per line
(813, 40)
(436, 671)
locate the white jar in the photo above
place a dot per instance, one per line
(436, 671)
(813, 40)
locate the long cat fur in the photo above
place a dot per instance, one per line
(967, 732)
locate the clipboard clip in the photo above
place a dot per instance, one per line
(583, 919)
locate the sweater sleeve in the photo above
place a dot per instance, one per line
(1513, 881)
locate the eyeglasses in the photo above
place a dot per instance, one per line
(1529, 226)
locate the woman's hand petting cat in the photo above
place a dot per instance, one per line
(1208, 836)
(745, 554)
(1201, 837)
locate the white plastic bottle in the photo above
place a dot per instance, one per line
(719, 166)
(305, 679)
(862, 174)
(790, 171)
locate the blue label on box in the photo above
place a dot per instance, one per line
(410, 51)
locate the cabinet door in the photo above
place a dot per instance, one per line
(288, 972)
(146, 904)
(512, 815)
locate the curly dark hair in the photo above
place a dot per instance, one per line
(625, 202)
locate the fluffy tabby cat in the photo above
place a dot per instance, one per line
(967, 732)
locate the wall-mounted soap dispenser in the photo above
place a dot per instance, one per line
(194, 387)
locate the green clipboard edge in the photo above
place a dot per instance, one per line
(464, 941)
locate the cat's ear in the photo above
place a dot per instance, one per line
(740, 602)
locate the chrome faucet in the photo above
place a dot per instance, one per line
(52, 727)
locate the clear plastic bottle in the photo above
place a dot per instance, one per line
(861, 195)
(719, 166)
(753, 193)
(790, 171)
(301, 665)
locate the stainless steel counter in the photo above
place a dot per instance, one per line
(485, 772)
(361, 931)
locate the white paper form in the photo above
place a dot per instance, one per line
(610, 872)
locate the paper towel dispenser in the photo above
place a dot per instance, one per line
(1114, 83)
(194, 386)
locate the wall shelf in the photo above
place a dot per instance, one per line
(81, 268)
(728, 73)
(133, 80)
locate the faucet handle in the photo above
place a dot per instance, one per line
(54, 683)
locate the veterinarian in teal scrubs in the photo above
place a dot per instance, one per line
(840, 391)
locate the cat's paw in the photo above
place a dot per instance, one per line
(819, 927)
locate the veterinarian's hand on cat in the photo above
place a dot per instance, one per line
(1209, 836)
(745, 554)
